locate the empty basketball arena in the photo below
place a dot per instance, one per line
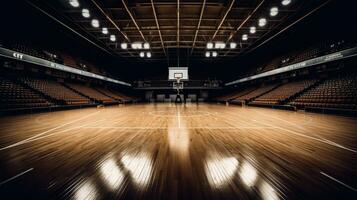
(178, 99)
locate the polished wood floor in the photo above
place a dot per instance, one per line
(168, 151)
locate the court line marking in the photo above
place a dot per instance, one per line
(317, 139)
(40, 134)
(314, 138)
(338, 181)
(197, 127)
(14, 177)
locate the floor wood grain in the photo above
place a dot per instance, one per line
(168, 151)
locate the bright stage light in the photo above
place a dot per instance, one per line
(85, 13)
(262, 22)
(252, 29)
(232, 45)
(142, 54)
(244, 37)
(286, 2)
(214, 54)
(113, 38)
(208, 54)
(148, 54)
(105, 31)
(124, 45)
(274, 11)
(146, 45)
(74, 3)
(95, 23)
(209, 45)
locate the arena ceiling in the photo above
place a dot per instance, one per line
(177, 28)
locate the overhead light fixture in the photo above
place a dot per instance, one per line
(113, 38)
(124, 45)
(209, 45)
(220, 45)
(274, 11)
(232, 45)
(262, 22)
(136, 45)
(95, 23)
(146, 45)
(286, 2)
(74, 3)
(85, 13)
(105, 31)
(142, 54)
(148, 54)
(244, 37)
(214, 53)
(208, 54)
(252, 29)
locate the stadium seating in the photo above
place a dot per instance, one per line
(16, 96)
(92, 93)
(255, 93)
(56, 91)
(235, 95)
(338, 93)
(283, 92)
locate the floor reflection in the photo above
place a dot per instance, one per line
(248, 174)
(140, 168)
(220, 171)
(111, 174)
(86, 191)
(268, 192)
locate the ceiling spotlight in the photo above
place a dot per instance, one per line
(262, 22)
(136, 45)
(207, 54)
(105, 30)
(232, 45)
(113, 38)
(85, 13)
(214, 54)
(124, 45)
(244, 37)
(148, 54)
(274, 11)
(286, 2)
(74, 3)
(142, 54)
(95, 23)
(252, 29)
(146, 45)
(219, 45)
(209, 45)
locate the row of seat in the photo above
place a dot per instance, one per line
(26, 92)
(15, 96)
(284, 92)
(255, 93)
(339, 92)
(56, 91)
(91, 93)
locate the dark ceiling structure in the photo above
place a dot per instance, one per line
(177, 30)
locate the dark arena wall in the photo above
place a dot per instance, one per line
(89, 108)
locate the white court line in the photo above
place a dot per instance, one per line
(313, 138)
(194, 127)
(14, 177)
(40, 134)
(340, 182)
(317, 139)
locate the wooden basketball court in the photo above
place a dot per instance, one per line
(168, 151)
